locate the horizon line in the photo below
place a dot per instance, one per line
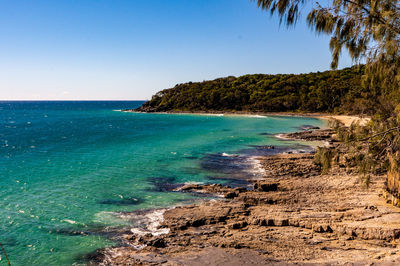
(62, 100)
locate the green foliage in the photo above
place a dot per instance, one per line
(323, 157)
(334, 124)
(365, 180)
(368, 29)
(327, 91)
(365, 168)
(369, 147)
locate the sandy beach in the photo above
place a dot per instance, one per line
(347, 120)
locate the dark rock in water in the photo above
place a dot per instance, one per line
(190, 170)
(164, 187)
(307, 127)
(163, 183)
(71, 232)
(268, 150)
(265, 134)
(122, 201)
(223, 164)
(161, 179)
(94, 258)
(188, 187)
(266, 147)
(200, 190)
(233, 182)
(190, 157)
(9, 242)
(213, 189)
(323, 134)
(94, 229)
(269, 147)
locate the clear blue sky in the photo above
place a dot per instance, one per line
(130, 49)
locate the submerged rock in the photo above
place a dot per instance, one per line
(122, 201)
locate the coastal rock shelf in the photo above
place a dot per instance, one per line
(294, 214)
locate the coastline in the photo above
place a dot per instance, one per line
(345, 120)
(294, 214)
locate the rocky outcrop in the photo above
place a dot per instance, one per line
(294, 214)
(312, 135)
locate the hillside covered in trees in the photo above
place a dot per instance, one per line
(330, 91)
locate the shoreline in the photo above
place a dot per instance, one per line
(252, 174)
(345, 120)
(294, 214)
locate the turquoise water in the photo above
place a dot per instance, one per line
(67, 167)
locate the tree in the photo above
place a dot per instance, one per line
(368, 29)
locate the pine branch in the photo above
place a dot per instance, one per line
(5, 254)
(381, 133)
(375, 15)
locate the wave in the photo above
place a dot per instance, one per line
(256, 169)
(193, 183)
(282, 136)
(256, 116)
(69, 221)
(145, 222)
(229, 155)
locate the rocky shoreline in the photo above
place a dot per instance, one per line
(293, 215)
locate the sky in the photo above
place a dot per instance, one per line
(130, 49)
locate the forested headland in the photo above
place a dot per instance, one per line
(338, 91)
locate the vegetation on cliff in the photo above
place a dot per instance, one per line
(329, 91)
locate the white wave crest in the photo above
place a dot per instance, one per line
(229, 155)
(257, 169)
(146, 222)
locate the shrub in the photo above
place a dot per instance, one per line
(323, 158)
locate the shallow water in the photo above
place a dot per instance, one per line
(68, 167)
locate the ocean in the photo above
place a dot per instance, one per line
(69, 170)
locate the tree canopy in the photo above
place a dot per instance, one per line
(368, 29)
(329, 91)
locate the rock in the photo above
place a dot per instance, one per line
(282, 222)
(325, 134)
(237, 225)
(294, 214)
(188, 187)
(240, 189)
(267, 222)
(266, 186)
(318, 228)
(158, 243)
(231, 195)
